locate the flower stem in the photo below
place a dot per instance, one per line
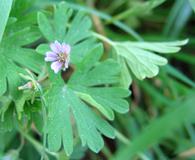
(103, 38)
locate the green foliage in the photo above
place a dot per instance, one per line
(160, 128)
(140, 57)
(12, 53)
(63, 116)
(65, 102)
(81, 85)
(15, 57)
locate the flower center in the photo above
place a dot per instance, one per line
(62, 57)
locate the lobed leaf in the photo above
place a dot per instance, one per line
(70, 104)
(14, 58)
(69, 27)
(140, 57)
(160, 47)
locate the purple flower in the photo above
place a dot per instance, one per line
(59, 56)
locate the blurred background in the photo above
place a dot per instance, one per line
(160, 124)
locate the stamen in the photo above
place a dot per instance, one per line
(62, 57)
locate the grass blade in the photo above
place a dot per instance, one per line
(153, 133)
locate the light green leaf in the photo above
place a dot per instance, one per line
(5, 8)
(160, 47)
(125, 80)
(140, 57)
(141, 62)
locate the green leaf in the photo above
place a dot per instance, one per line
(71, 104)
(125, 77)
(45, 27)
(14, 58)
(89, 99)
(42, 49)
(5, 8)
(69, 27)
(140, 57)
(23, 37)
(160, 47)
(182, 112)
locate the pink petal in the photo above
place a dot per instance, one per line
(51, 54)
(66, 48)
(56, 66)
(50, 59)
(56, 47)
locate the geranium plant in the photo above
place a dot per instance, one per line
(56, 82)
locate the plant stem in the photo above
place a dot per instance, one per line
(121, 137)
(21, 143)
(103, 38)
(106, 152)
(37, 145)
